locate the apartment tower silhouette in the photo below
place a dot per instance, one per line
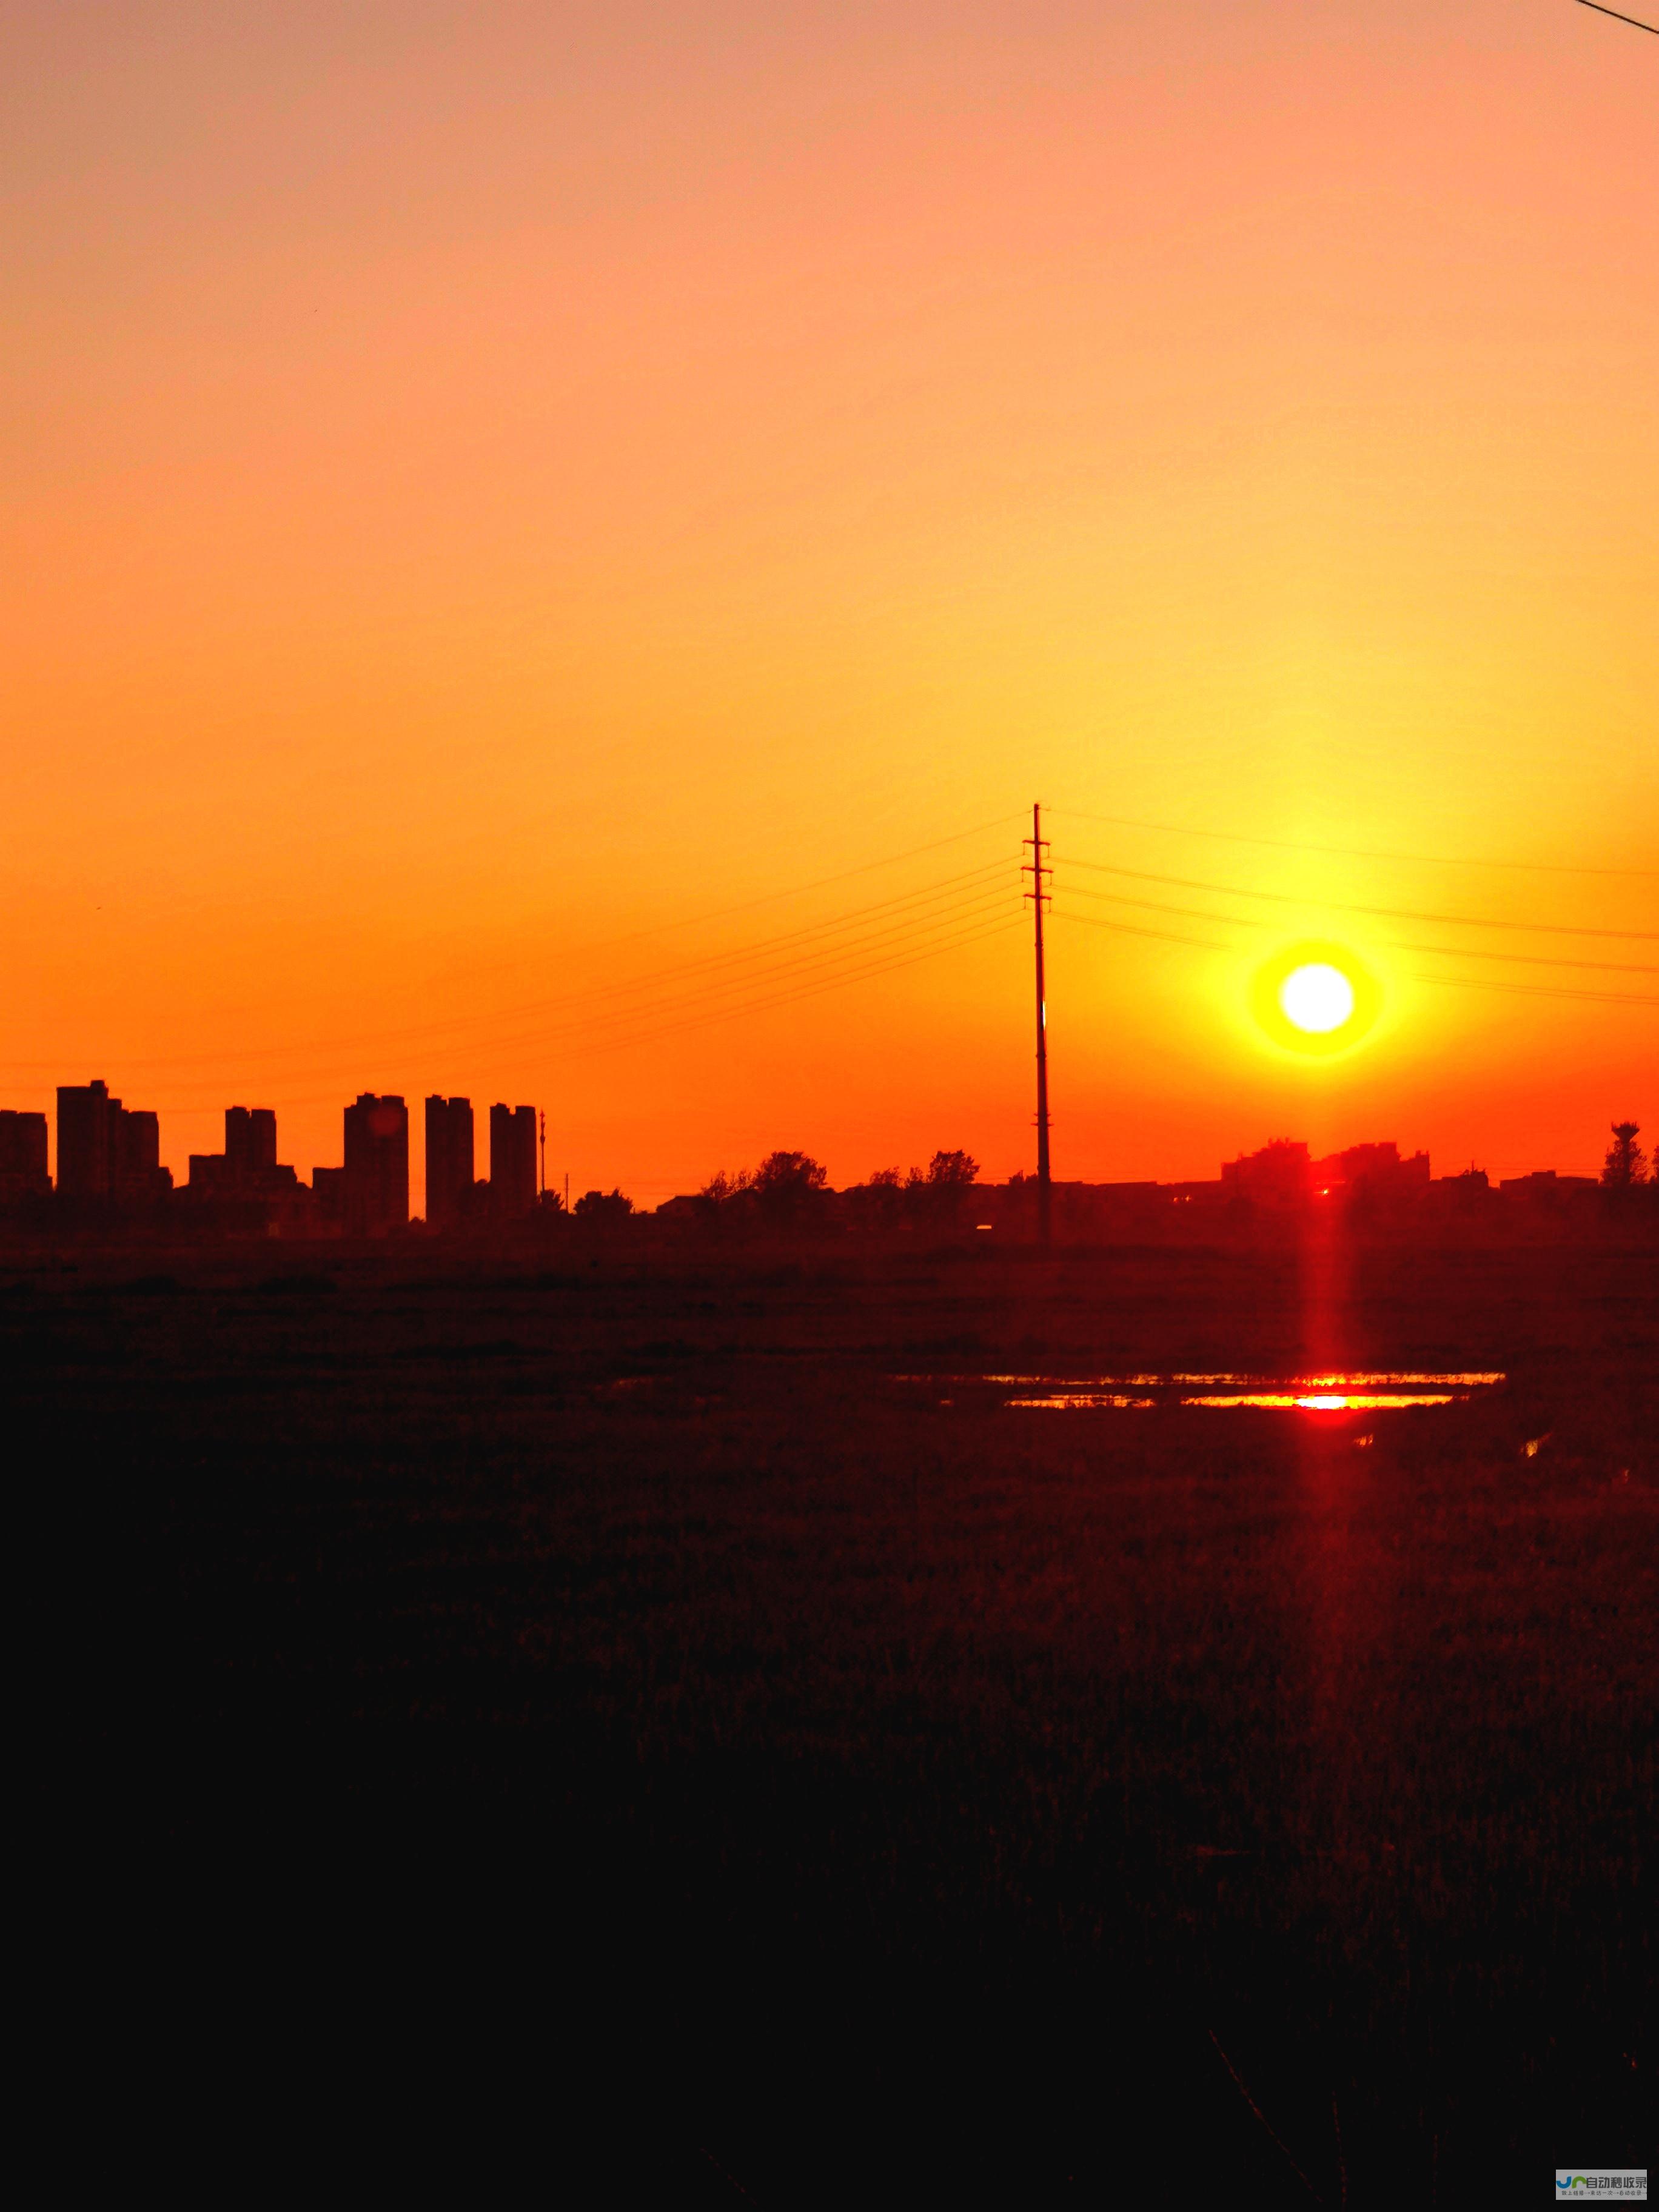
(512, 1162)
(106, 1150)
(375, 1182)
(23, 1155)
(449, 1168)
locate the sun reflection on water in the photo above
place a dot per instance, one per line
(1333, 1402)
(1380, 1391)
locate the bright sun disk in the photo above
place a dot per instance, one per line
(1316, 999)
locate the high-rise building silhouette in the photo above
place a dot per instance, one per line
(22, 1155)
(250, 1142)
(135, 1152)
(84, 1140)
(248, 1167)
(106, 1150)
(512, 1161)
(376, 1180)
(449, 1168)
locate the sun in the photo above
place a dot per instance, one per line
(1319, 998)
(1316, 998)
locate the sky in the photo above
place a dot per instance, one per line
(552, 549)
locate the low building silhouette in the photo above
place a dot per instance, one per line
(1283, 1174)
(1373, 1172)
(1465, 1196)
(1545, 1195)
(449, 1160)
(512, 1162)
(1280, 1173)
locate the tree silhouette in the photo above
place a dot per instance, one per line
(790, 1171)
(878, 1202)
(1627, 1163)
(721, 1187)
(603, 1206)
(952, 1171)
(934, 1194)
(786, 1183)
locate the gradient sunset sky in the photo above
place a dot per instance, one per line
(529, 527)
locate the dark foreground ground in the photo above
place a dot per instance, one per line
(601, 1720)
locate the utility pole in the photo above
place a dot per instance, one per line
(1038, 894)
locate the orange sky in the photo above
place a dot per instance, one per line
(488, 486)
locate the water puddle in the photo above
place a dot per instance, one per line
(1335, 1401)
(1366, 1392)
(1081, 1398)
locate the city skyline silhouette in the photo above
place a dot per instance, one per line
(484, 550)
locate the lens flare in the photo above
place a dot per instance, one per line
(1317, 998)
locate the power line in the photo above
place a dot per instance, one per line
(1453, 951)
(459, 1024)
(1459, 983)
(1348, 853)
(1131, 929)
(1343, 906)
(872, 953)
(1162, 905)
(874, 942)
(885, 935)
(1651, 28)
(837, 934)
(1540, 990)
(944, 892)
(814, 988)
(811, 988)
(1532, 959)
(783, 952)
(949, 938)
(800, 890)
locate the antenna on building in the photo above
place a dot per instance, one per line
(543, 1184)
(1038, 894)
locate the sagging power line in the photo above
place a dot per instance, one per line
(935, 919)
(1651, 28)
(1351, 852)
(1453, 952)
(1375, 913)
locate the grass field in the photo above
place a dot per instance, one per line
(772, 1783)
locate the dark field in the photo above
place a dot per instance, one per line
(604, 1710)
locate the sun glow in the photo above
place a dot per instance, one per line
(1316, 999)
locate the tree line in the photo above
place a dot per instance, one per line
(788, 1187)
